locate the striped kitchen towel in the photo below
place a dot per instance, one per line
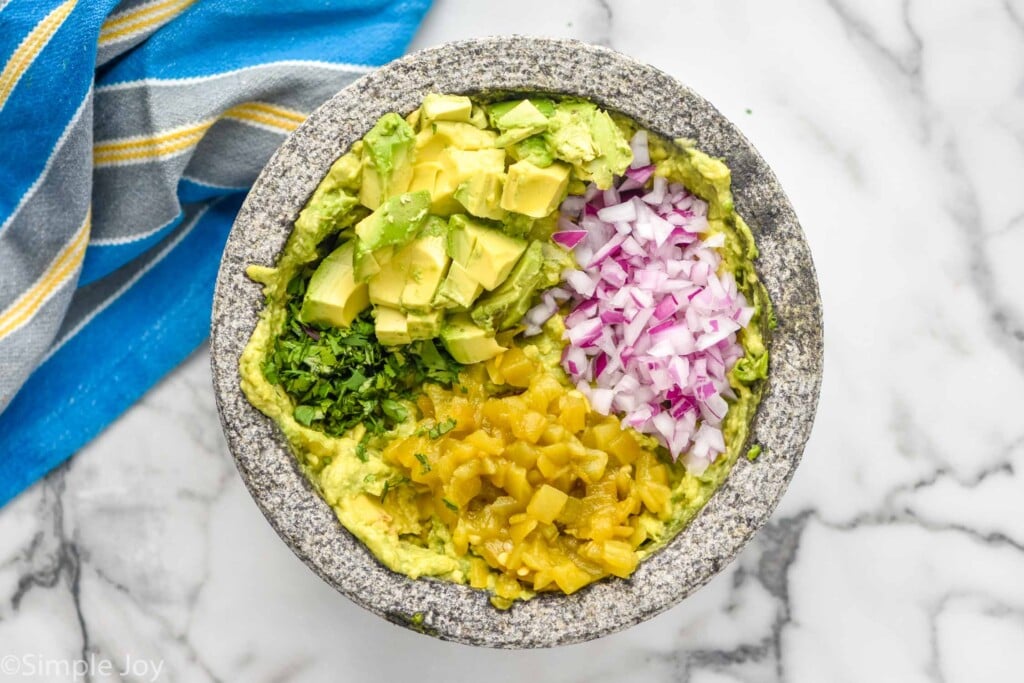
(129, 134)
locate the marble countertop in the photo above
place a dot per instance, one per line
(897, 554)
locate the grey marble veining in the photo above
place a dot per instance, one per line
(896, 553)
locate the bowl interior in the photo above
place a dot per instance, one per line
(515, 64)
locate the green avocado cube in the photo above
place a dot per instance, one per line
(479, 117)
(461, 165)
(333, 296)
(459, 290)
(467, 342)
(463, 136)
(387, 160)
(535, 191)
(533, 149)
(487, 254)
(391, 326)
(520, 122)
(481, 194)
(446, 108)
(505, 306)
(424, 325)
(426, 262)
(394, 223)
(615, 156)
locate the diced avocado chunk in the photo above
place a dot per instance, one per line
(333, 198)
(540, 267)
(391, 326)
(463, 135)
(386, 287)
(569, 135)
(393, 224)
(428, 146)
(582, 135)
(462, 231)
(346, 172)
(446, 108)
(459, 290)
(479, 117)
(520, 122)
(615, 154)
(438, 136)
(424, 176)
(370, 263)
(413, 118)
(434, 225)
(534, 191)
(427, 265)
(497, 110)
(387, 162)
(533, 149)
(493, 257)
(424, 325)
(487, 254)
(481, 194)
(459, 166)
(467, 342)
(506, 305)
(333, 296)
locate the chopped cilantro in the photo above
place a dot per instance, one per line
(395, 410)
(361, 447)
(424, 462)
(339, 378)
(305, 415)
(450, 505)
(441, 428)
(754, 451)
(391, 485)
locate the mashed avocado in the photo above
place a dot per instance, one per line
(481, 282)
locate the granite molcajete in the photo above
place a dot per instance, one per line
(783, 423)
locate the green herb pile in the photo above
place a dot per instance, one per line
(338, 378)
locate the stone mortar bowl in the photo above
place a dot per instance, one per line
(782, 425)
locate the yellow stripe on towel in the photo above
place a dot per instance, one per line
(177, 140)
(30, 48)
(140, 19)
(62, 267)
(266, 114)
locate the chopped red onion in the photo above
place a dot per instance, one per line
(569, 238)
(652, 333)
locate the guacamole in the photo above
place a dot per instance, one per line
(395, 315)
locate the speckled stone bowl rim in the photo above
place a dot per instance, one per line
(782, 425)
